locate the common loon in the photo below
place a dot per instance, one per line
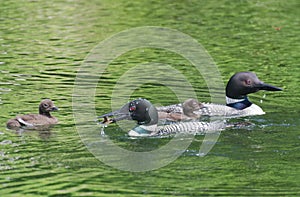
(237, 104)
(42, 119)
(147, 118)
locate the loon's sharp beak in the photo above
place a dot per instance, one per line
(54, 108)
(268, 87)
(121, 114)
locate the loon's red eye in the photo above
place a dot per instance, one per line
(132, 108)
(248, 82)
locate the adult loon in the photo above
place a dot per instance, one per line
(237, 104)
(147, 118)
(32, 121)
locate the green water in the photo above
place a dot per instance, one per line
(43, 44)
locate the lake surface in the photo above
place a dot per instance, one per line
(45, 43)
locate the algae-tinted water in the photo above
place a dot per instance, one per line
(43, 44)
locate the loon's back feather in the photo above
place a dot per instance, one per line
(194, 127)
(176, 108)
(211, 109)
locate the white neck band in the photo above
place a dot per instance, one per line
(231, 100)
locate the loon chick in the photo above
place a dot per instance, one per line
(185, 111)
(44, 117)
(147, 117)
(237, 103)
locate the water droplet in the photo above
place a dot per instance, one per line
(102, 133)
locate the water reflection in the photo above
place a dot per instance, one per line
(42, 133)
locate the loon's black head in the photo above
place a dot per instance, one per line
(243, 83)
(140, 110)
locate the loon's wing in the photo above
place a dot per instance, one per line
(176, 108)
(23, 122)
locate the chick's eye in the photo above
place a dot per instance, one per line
(45, 105)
